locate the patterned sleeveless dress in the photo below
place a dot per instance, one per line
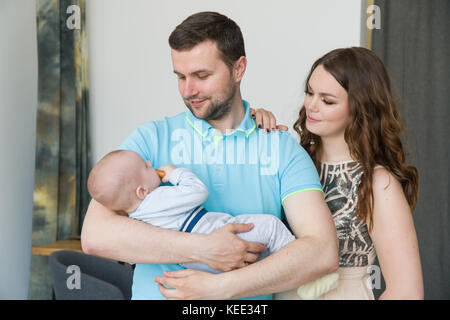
(340, 182)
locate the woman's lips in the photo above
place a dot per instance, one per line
(308, 118)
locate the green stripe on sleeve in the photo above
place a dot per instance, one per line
(298, 191)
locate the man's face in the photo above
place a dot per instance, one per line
(204, 81)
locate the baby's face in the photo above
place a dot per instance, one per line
(149, 176)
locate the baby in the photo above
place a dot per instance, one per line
(125, 183)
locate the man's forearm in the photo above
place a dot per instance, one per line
(117, 237)
(298, 262)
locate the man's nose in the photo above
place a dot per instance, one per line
(189, 89)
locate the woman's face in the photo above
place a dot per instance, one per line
(326, 105)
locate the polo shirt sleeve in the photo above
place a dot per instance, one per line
(143, 141)
(297, 170)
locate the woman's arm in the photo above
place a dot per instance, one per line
(395, 239)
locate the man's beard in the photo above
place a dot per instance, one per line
(218, 109)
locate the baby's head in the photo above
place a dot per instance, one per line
(121, 180)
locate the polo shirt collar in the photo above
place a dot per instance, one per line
(203, 128)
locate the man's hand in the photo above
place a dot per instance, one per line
(225, 251)
(189, 284)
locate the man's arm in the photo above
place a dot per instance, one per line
(313, 254)
(108, 234)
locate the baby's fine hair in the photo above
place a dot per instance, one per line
(111, 181)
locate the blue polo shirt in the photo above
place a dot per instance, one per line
(246, 171)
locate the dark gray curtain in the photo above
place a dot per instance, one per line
(414, 44)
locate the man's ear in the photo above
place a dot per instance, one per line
(141, 192)
(239, 68)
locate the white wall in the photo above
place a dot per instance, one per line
(132, 82)
(18, 100)
(131, 78)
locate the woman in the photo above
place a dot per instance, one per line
(351, 128)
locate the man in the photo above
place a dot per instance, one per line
(244, 172)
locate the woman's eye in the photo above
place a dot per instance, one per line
(327, 101)
(203, 77)
(308, 93)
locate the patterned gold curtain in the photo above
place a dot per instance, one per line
(62, 146)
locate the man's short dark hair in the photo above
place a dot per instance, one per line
(210, 26)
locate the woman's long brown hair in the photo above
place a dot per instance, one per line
(373, 135)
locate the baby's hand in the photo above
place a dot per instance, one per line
(168, 170)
